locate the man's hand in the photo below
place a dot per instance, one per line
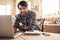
(23, 28)
(20, 24)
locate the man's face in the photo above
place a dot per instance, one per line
(22, 9)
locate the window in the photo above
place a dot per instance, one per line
(5, 9)
(29, 5)
(50, 8)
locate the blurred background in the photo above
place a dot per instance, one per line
(43, 8)
(47, 11)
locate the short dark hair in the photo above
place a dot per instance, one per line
(23, 3)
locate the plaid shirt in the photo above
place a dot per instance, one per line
(28, 20)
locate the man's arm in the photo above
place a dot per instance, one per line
(33, 18)
(16, 24)
(31, 21)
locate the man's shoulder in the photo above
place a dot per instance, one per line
(31, 12)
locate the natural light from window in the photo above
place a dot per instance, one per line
(5, 9)
(50, 8)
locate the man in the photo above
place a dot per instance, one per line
(25, 20)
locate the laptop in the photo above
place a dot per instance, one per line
(6, 27)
